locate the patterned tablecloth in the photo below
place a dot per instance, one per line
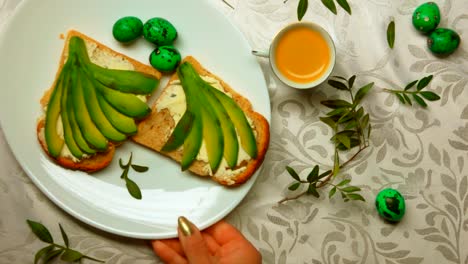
(421, 152)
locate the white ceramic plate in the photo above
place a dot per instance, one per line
(30, 49)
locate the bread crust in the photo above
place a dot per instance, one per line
(155, 130)
(101, 159)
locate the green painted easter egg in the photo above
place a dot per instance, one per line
(127, 29)
(390, 205)
(165, 58)
(426, 17)
(443, 41)
(159, 31)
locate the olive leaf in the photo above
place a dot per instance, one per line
(71, 255)
(330, 5)
(338, 85)
(344, 4)
(40, 231)
(301, 9)
(293, 173)
(139, 168)
(391, 34)
(294, 186)
(64, 236)
(43, 251)
(133, 189)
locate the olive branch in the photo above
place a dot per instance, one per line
(351, 129)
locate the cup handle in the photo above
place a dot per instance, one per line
(259, 53)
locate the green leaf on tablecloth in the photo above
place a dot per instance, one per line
(430, 96)
(424, 82)
(407, 99)
(345, 140)
(337, 112)
(355, 197)
(410, 85)
(362, 92)
(313, 175)
(351, 81)
(293, 173)
(338, 85)
(40, 231)
(42, 252)
(294, 186)
(344, 4)
(401, 98)
(328, 121)
(330, 5)
(332, 192)
(419, 100)
(335, 104)
(64, 236)
(301, 9)
(312, 189)
(71, 255)
(350, 189)
(52, 255)
(344, 182)
(391, 34)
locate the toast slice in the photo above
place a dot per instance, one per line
(156, 129)
(104, 57)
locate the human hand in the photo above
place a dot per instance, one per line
(220, 243)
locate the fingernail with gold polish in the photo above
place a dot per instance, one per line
(184, 226)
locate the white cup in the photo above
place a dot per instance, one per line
(271, 54)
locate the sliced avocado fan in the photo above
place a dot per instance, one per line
(213, 117)
(94, 105)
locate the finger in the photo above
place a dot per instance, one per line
(167, 254)
(213, 246)
(192, 242)
(223, 232)
(175, 245)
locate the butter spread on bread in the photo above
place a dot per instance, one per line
(97, 97)
(168, 112)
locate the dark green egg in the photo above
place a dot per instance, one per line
(165, 58)
(426, 17)
(443, 41)
(390, 205)
(127, 29)
(159, 31)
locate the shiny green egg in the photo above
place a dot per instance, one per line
(165, 58)
(443, 41)
(426, 17)
(159, 31)
(127, 29)
(390, 205)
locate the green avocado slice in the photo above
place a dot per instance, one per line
(124, 80)
(127, 104)
(96, 113)
(53, 140)
(67, 128)
(120, 121)
(180, 132)
(89, 130)
(241, 124)
(197, 103)
(231, 143)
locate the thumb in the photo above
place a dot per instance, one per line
(192, 242)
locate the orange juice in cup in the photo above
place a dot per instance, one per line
(302, 55)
